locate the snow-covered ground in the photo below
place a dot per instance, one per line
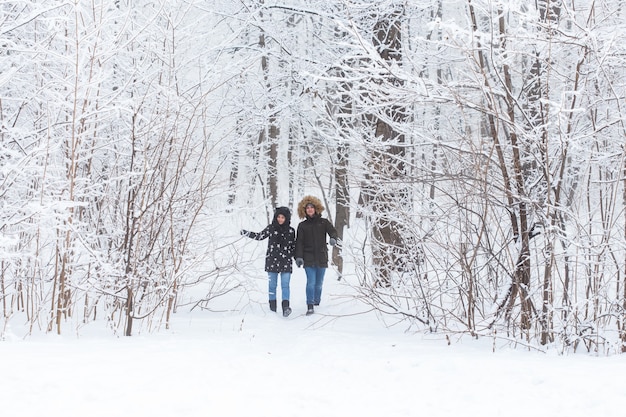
(256, 363)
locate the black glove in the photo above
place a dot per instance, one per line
(299, 262)
(332, 241)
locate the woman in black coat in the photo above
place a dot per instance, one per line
(311, 249)
(278, 258)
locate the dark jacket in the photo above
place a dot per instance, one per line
(311, 237)
(280, 247)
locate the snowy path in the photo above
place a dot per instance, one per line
(267, 366)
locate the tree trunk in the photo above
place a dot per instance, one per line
(128, 330)
(271, 131)
(342, 202)
(386, 161)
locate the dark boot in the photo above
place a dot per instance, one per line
(309, 309)
(286, 308)
(273, 305)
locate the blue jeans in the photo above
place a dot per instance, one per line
(285, 277)
(314, 282)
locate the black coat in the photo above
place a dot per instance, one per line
(311, 241)
(280, 247)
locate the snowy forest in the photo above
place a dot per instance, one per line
(471, 154)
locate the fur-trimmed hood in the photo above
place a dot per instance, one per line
(309, 199)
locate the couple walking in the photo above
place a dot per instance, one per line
(307, 247)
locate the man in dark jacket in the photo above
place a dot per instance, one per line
(311, 249)
(279, 255)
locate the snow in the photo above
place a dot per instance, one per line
(252, 362)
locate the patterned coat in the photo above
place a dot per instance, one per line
(281, 244)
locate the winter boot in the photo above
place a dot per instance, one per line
(273, 305)
(309, 310)
(286, 308)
